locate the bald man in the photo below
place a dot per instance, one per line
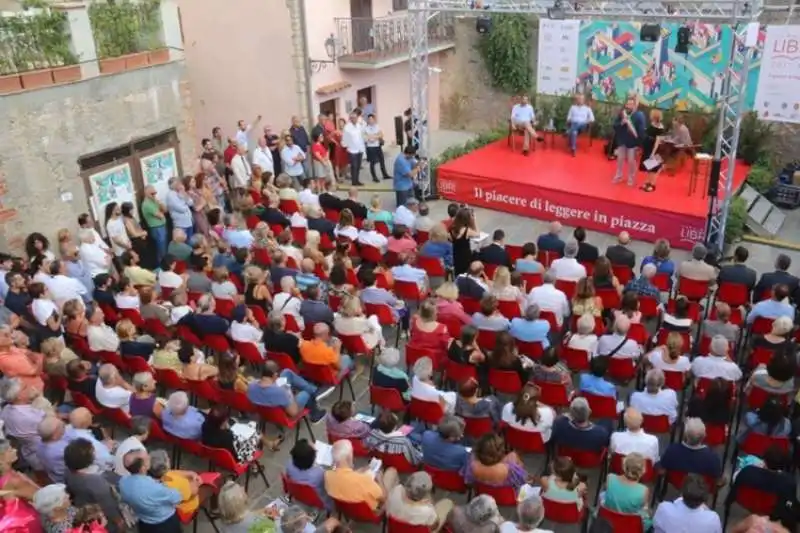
(80, 427)
(634, 439)
(620, 254)
(550, 241)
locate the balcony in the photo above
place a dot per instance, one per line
(369, 44)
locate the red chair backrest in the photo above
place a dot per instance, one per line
(413, 354)
(716, 434)
(386, 398)
(224, 307)
(453, 324)
(428, 412)
(433, 266)
(136, 365)
(475, 427)
(692, 289)
(675, 380)
(505, 381)
(321, 374)
(656, 424)
(180, 267)
(624, 273)
(551, 319)
(582, 458)
(760, 355)
(383, 312)
(509, 309)
(567, 287)
(258, 314)
(562, 512)
(504, 496)
(261, 256)
(489, 270)
(758, 443)
(358, 512)
(299, 236)
(278, 416)
(629, 523)
(166, 292)
(524, 441)
(514, 252)
(397, 461)
(534, 350)
(110, 314)
(662, 281)
(238, 401)
(576, 360)
(676, 478)
(545, 257)
(382, 228)
(334, 302)
(553, 394)
(156, 328)
(616, 467)
(756, 501)
(248, 351)
(487, 339)
(354, 344)
(118, 417)
(610, 298)
(460, 372)
(588, 266)
(408, 290)
(733, 294)
(302, 493)
(601, 406)
(283, 360)
(761, 325)
(371, 254)
(532, 280)
(288, 206)
(470, 305)
(193, 296)
(693, 311)
(79, 344)
(422, 237)
(206, 389)
(291, 323)
(638, 332)
(134, 316)
(112, 357)
(221, 458)
(621, 369)
(331, 214)
(218, 343)
(171, 380)
(648, 306)
(449, 480)
(81, 400)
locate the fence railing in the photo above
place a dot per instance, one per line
(34, 39)
(376, 39)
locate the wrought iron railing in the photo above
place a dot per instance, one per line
(379, 39)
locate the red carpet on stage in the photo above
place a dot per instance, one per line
(550, 184)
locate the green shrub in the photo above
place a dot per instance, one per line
(761, 177)
(737, 218)
(506, 52)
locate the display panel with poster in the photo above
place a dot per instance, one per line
(158, 169)
(777, 96)
(111, 185)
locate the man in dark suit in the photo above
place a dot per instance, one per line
(472, 284)
(351, 202)
(272, 215)
(781, 276)
(328, 200)
(587, 253)
(620, 254)
(495, 253)
(550, 241)
(738, 272)
(319, 223)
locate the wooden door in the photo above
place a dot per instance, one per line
(361, 20)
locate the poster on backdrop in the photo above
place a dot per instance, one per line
(158, 169)
(557, 67)
(777, 96)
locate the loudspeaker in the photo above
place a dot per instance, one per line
(650, 33)
(682, 46)
(713, 178)
(483, 24)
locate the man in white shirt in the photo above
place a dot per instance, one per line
(101, 337)
(579, 118)
(424, 222)
(617, 344)
(62, 288)
(688, 514)
(567, 268)
(655, 400)
(353, 141)
(634, 439)
(717, 364)
(243, 132)
(262, 156)
(292, 158)
(140, 430)
(309, 196)
(287, 302)
(374, 145)
(96, 260)
(548, 298)
(523, 118)
(369, 236)
(112, 391)
(406, 215)
(241, 170)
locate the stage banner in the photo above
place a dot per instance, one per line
(641, 222)
(557, 67)
(777, 96)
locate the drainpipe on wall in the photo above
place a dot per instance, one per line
(302, 67)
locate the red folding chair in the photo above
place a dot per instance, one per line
(567, 287)
(413, 354)
(166, 292)
(662, 281)
(289, 207)
(136, 365)
(359, 512)
(326, 376)
(453, 324)
(503, 496)
(588, 266)
(623, 273)
(382, 228)
(509, 309)
(422, 237)
(616, 468)
(217, 343)
(638, 332)
(299, 235)
(356, 347)
(283, 360)
(134, 316)
(278, 417)
(168, 379)
(470, 305)
(249, 353)
(487, 339)
(386, 317)
(758, 502)
(371, 254)
(206, 389)
(553, 394)
(81, 400)
(425, 411)
(524, 441)
(609, 297)
(545, 257)
(156, 328)
(331, 214)
(733, 294)
(761, 325)
(386, 398)
(398, 461)
(224, 460)
(551, 319)
(760, 355)
(475, 427)
(576, 360)
(224, 307)
(180, 267)
(563, 512)
(622, 370)
(603, 407)
(534, 350)
(456, 372)
(627, 522)
(656, 424)
(302, 493)
(505, 381)
(409, 291)
(110, 315)
(532, 280)
(237, 401)
(291, 323)
(258, 314)
(675, 380)
(693, 312)
(449, 480)
(489, 269)
(757, 444)
(112, 358)
(649, 307)
(514, 252)
(693, 289)
(433, 266)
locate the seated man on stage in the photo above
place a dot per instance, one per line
(579, 118)
(523, 118)
(680, 134)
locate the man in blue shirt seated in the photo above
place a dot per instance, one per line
(642, 285)
(181, 419)
(577, 431)
(406, 168)
(204, 321)
(313, 309)
(153, 502)
(372, 294)
(775, 307)
(691, 455)
(531, 328)
(550, 241)
(594, 382)
(275, 389)
(441, 448)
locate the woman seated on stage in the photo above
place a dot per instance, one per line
(651, 163)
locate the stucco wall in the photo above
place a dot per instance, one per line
(47, 130)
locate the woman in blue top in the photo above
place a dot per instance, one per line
(660, 258)
(624, 493)
(439, 246)
(769, 421)
(528, 264)
(378, 214)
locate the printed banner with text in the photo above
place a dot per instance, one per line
(777, 96)
(557, 67)
(641, 222)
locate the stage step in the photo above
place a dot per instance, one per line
(763, 217)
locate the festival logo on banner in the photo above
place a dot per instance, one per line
(777, 97)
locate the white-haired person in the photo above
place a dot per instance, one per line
(22, 411)
(692, 455)
(346, 484)
(634, 439)
(55, 508)
(655, 400)
(389, 373)
(479, 515)
(617, 344)
(779, 336)
(530, 514)
(112, 390)
(423, 387)
(180, 419)
(288, 302)
(584, 337)
(717, 364)
(412, 503)
(624, 493)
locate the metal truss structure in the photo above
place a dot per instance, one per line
(736, 13)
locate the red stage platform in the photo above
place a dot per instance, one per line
(550, 184)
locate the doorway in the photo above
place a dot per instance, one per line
(369, 94)
(361, 21)
(329, 107)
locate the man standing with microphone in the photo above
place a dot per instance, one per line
(628, 132)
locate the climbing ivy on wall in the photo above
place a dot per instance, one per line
(34, 41)
(506, 51)
(125, 27)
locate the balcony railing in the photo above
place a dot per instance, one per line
(366, 43)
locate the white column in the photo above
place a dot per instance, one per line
(171, 29)
(81, 38)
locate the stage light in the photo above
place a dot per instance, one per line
(650, 33)
(684, 36)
